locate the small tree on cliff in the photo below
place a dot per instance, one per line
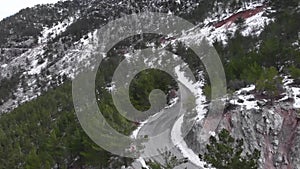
(170, 161)
(226, 153)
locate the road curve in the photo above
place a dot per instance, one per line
(158, 129)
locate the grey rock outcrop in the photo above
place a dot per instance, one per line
(274, 130)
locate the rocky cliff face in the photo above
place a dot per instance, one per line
(273, 128)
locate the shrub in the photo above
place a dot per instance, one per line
(252, 73)
(295, 72)
(269, 81)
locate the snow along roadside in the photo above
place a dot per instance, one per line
(188, 153)
(176, 134)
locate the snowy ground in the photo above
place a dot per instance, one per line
(291, 92)
(68, 65)
(253, 26)
(52, 32)
(248, 101)
(245, 100)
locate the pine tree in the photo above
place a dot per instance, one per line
(33, 160)
(170, 161)
(225, 152)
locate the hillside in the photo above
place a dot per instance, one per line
(42, 49)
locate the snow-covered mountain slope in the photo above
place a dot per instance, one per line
(38, 76)
(34, 61)
(49, 49)
(49, 55)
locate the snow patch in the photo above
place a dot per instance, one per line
(136, 131)
(172, 102)
(296, 96)
(38, 68)
(255, 24)
(212, 133)
(111, 87)
(143, 163)
(244, 99)
(246, 89)
(53, 32)
(291, 92)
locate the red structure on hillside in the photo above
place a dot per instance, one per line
(243, 14)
